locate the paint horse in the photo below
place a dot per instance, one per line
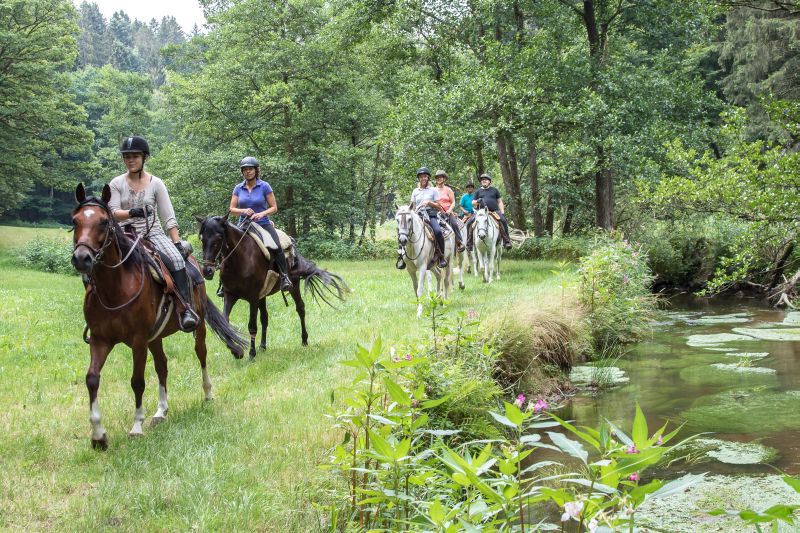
(418, 253)
(125, 303)
(247, 274)
(486, 238)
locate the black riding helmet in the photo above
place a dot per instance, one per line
(134, 144)
(485, 176)
(248, 161)
(424, 170)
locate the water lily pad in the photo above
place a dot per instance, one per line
(605, 375)
(686, 511)
(733, 367)
(783, 334)
(733, 453)
(792, 319)
(705, 375)
(715, 339)
(747, 412)
(748, 355)
(735, 318)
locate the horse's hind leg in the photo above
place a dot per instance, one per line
(139, 349)
(253, 328)
(201, 352)
(300, 307)
(99, 352)
(262, 307)
(160, 362)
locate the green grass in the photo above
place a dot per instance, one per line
(249, 460)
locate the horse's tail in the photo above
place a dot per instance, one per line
(319, 282)
(235, 341)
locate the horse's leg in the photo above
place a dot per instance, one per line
(98, 351)
(201, 351)
(419, 286)
(262, 308)
(228, 302)
(462, 256)
(490, 262)
(497, 258)
(253, 328)
(139, 350)
(300, 307)
(160, 362)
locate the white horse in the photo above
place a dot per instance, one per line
(486, 233)
(418, 252)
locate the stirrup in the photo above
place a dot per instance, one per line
(286, 283)
(188, 320)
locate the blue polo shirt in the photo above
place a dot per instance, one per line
(255, 199)
(466, 203)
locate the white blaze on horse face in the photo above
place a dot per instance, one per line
(88, 213)
(94, 417)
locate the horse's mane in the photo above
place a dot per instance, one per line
(136, 257)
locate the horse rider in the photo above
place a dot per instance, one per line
(134, 196)
(254, 199)
(465, 203)
(447, 200)
(428, 197)
(490, 198)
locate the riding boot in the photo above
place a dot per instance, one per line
(469, 239)
(188, 318)
(505, 234)
(280, 262)
(440, 246)
(401, 264)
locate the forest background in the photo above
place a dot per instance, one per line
(675, 122)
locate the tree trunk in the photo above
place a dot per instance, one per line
(536, 211)
(510, 171)
(604, 192)
(549, 216)
(480, 164)
(568, 220)
(369, 202)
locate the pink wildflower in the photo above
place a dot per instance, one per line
(520, 401)
(660, 441)
(632, 449)
(634, 476)
(408, 357)
(395, 359)
(472, 314)
(414, 403)
(572, 510)
(540, 406)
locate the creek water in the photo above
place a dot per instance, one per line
(684, 375)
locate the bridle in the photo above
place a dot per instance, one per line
(97, 253)
(408, 233)
(483, 220)
(217, 263)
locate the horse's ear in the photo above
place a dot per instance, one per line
(105, 196)
(80, 193)
(224, 219)
(199, 219)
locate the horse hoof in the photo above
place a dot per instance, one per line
(252, 358)
(305, 342)
(461, 286)
(156, 420)
(263, 347)
(135, 434)
(101, 443)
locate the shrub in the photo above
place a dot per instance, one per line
(47, 255)
(320, 247)
(556, 248)
(686, 253)
(615, 286)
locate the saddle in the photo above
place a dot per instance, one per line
(265, 242)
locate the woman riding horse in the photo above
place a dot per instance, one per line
(134, 196)
(427, 197)
(254, 199)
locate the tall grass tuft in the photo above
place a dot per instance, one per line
(534, 344)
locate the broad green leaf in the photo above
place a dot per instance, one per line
(436, 512)
(572, 447)
(502, 419)
(678, 485)
(514, 414)
(397, 393)
(430, 404)
(792, 482)
(639, 432)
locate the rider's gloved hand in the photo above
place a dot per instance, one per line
(136, 212)
(180, 248)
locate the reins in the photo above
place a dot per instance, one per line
(216, 262)
(411, 233)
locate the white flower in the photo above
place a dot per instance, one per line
(572, 510)
(593, 525)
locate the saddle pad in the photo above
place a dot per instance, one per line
(265, 242)
(446, 231)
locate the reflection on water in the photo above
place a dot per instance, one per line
(677, 382)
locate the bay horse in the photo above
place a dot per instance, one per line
(486, 238)
(243, 270)
(418, 253)
(122, 304)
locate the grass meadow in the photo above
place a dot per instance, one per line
(249, 460)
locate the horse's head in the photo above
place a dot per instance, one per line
(92, 225)
(482, 222)
(405, 224)
(212, 236)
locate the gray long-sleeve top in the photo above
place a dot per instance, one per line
(155, 195)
